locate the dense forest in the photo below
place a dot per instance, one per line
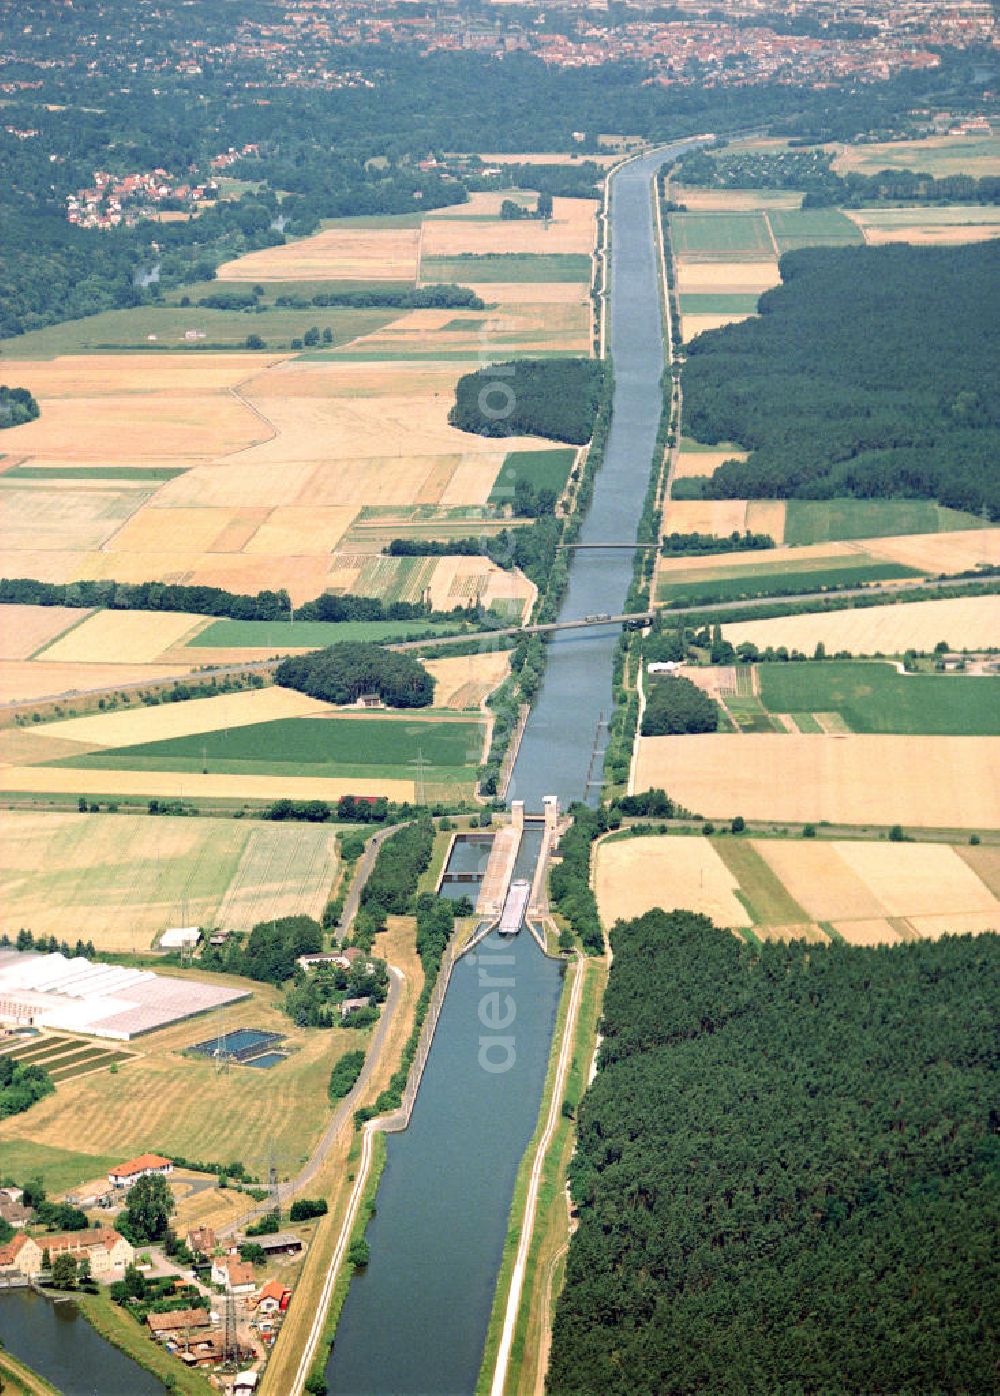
(786, 1171)
(343, 673)
(849, 383)
(676, 705)
(557, 398)
(17, 406)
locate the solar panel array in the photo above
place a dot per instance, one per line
(116, 1001)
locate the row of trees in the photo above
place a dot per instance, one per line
(343, 673)
(392, 884)
(869, 372)
(146, 596)
(784, 1170)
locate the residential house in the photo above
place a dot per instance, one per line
(234, 1275)
(145, 1166)
(202, 1240)
(15, 1214)
(347, 1006)
(273, 1298)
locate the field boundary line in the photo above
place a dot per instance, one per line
(770, 232)
(73, 625)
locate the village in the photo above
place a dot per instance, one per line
(214, 1300)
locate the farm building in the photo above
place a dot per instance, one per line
(278, 1243)
(180, 938)
(177, 1324)
(80, 995)
(145, 1166)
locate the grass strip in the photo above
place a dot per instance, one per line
(122, 1332)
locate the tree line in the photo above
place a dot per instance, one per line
(785, 1170)
(675, 705)
(870, 371)
(17, 406)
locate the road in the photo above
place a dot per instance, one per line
(361, 876)
(343, 1113)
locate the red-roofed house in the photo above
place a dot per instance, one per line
(145, 1166)
(107, 1250)
(273, 1298)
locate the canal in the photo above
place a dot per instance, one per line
(58, 1343)
(415, 1320)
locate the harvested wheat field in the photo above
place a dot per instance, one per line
(718, 516)
(928, 227)
(122, 637)
(25, 629)
(919, 782)
(178, 785)
(465, 681)
(63, 519)
(634, 875)
(572, 228)
(534, 292)
(875, 892)
(940, 552)
(335, 254)
(551, 157)
(129, 726)
(121, 881)
(25, 681)
(690, 463)
(726, 276)
(971, 623)
(697, 200)
(694, 325)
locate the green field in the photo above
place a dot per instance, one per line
(396, 578)
(313, 634)
(130, 330)
(508, 266)
(738, 233)
(93, 472)
(689, 446)
(758, 581)
(812, 227)
(973, 155)
(827, 520)
(60, 1170)
(309, 746)
(875, 697)
(546, 470)
(273, 289)
(721, 303)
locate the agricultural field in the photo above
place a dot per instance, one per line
(545, 470)
(177, 1103)
(27, 630)
(727, 235)
(635, 874)
(465, 681)
(962, 622)
(484, 269)
(874, 697)
(268, 637)
(66, 1057)
(731, 277)
(698, 586)
(940, 156)
(861, 892)
(441, 751)
(336, 254)
(695, 459)
(699, 200)
(814, 227)
(860, 779)
(571, 230)
(937, 227)
(826, 520)
(190, 330)
(122, 880)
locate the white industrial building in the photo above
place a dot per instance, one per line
(114, 1001)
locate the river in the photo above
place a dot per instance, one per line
(57, 1342)
(414, 1322)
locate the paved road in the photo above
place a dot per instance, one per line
(361, 876)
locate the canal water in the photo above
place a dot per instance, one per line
(414, 1323)
(415, 1320)
(555, 754)
(57, 1341)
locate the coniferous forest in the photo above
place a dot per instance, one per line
(849, 383)
(787, 1171)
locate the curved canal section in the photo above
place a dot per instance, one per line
(58, 1343)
